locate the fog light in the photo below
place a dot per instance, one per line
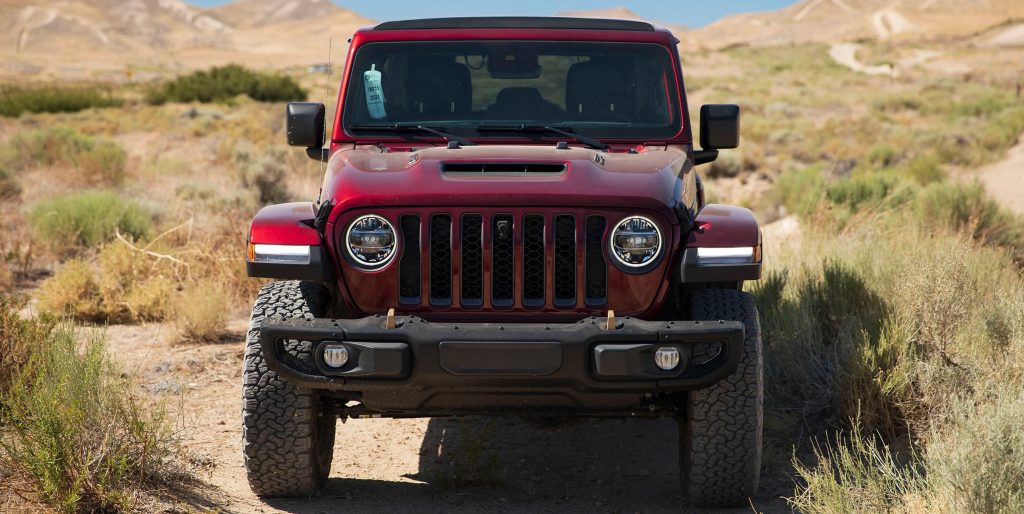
(335, 356)
(667, 358)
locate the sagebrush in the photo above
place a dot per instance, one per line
(73, 426)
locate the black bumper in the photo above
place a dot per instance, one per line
(426, 368)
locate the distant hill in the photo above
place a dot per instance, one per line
(829, 21)
(90, 38)
(261, 13)
(620, 13)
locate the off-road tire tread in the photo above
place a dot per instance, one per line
(279, 420)
(720, 436)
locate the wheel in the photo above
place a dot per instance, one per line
(720, 432)
(287, 442)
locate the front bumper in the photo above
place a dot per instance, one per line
(420, 368)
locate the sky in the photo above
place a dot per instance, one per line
(693, 13)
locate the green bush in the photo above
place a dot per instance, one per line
(16, 100)
(88, 218)
(224, 83)
(96, 161)
(73, 427)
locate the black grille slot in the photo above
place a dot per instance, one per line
(533, 260)
(503, 167)
(409, 266)
(594, 263)
(472, 270)
(565, 261)
(441, 259)
(502, 260)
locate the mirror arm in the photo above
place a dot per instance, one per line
(704, 156)
(319, 154)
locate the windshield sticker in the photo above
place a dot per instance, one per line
(374, 93)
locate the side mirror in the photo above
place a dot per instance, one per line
(719, 130)
(306, 127)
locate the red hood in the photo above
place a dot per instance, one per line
(369, 177)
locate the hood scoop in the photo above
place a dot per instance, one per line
(503, 168)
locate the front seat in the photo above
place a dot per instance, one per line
(522, 103)
(601, 91)
(439, 90)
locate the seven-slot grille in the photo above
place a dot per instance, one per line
(502, 259)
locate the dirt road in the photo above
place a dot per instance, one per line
(1004, 180)
(846, 55)
(421, 465)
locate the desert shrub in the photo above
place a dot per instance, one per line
(920, 350)
(15, 100)
(6, 277)
(898, 102)
(800, 191)
(968, 208)
(226, 82)
(883, 156)
(862, 190)
(262, 172)
(18, 339)
(135, 286)
(96, 161)
(977, 465)
(924, 169)
(9, 186)
(202, 312)
(727, 165)
(72, 290)
(88, 218)
(75, 429)
(125, 286)
(857, 473)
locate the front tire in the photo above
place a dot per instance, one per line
(720, 432)
(288, 442)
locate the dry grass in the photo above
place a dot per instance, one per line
(6, 277)
(908, 355)
(86, 160)
(202, 312)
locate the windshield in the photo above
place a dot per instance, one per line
(615, 90)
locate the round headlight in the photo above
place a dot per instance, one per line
(636, 242)
(371, 241)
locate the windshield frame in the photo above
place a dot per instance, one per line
(660, 37)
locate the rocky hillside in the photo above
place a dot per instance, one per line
(830, 21)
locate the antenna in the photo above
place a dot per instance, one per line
(327, 92)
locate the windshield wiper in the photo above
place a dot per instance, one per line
(560, 130)
(401, 127)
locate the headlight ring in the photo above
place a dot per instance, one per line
(636, 244)
(370, 242)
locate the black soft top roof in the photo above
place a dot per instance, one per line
(517, 22)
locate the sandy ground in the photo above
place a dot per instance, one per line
(1004, 180)
(420, 465)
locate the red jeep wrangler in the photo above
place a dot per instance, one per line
(510, 223)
